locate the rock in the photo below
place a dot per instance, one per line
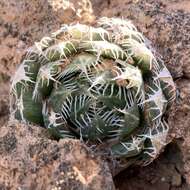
(38, 18)
(179, 119)
(4, 102)
(29, 160)
(176, 180)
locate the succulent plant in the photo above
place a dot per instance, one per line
(101, 84)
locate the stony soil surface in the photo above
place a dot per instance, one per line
(165, 22)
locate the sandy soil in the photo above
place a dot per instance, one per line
(165, 22)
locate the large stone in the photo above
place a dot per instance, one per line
(29, 160)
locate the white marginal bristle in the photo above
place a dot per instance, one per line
(21, 76)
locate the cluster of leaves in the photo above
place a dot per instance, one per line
(100, 84)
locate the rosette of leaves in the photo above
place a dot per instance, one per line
(100, 84)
